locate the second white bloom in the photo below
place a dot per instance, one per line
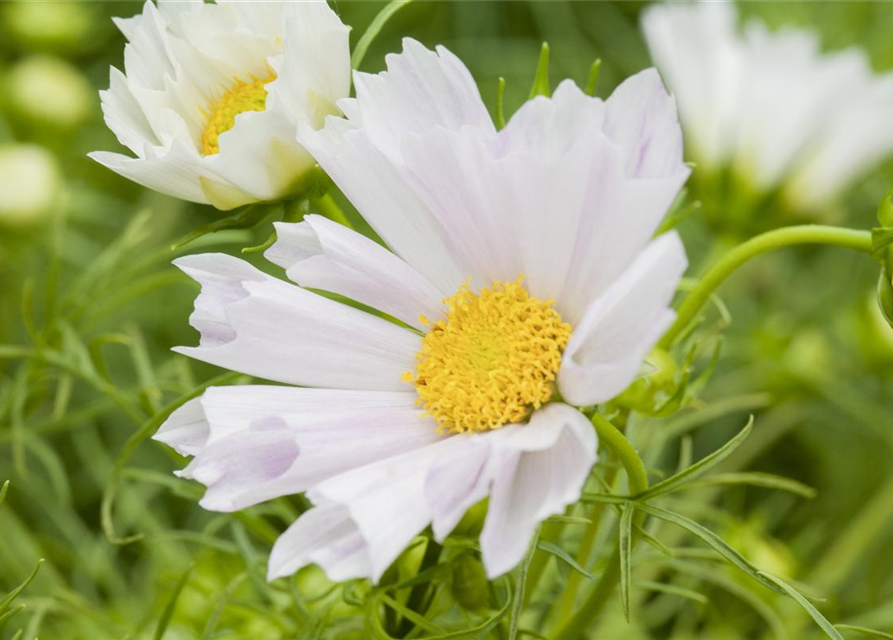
(214, 93)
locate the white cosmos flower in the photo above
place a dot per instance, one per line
(567, 195)
(771, 105)
(213, 94)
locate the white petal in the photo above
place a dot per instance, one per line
(186, 430)
(325, 536)
(322, 254)
(377, 189)
(542, 469)
(640, 117)
(386, 501)
(124, 115)
(315, 71)
(609, 344)
(174, 175)
(858, 138)
(254, 443)
(256, 324)
(695, 47)
(259, 155)
(457, 480)
(420, 90)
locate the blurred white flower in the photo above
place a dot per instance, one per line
(523, 261)
(770, 105)
(213, 94)
(30, 183)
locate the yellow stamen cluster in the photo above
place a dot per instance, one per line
(492, 361)
(221, 115)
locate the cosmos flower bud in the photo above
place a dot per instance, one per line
(655, 386)
(213, 94)
(30, 184)
(48, 26)
(47, 91)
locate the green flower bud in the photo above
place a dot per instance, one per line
(874, 333)
(655, 387)
(30, 184)
(47, 91)
(470, 585)
(54, 26)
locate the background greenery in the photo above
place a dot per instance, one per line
(90, 307)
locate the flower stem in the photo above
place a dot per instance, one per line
(638, 482)
(776, 239)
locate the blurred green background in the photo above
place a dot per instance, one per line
(90, 307)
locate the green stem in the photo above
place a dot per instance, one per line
(595, 602)
(776, 239)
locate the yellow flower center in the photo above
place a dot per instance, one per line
(221, 114)
(492, 361)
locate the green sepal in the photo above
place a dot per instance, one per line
(885, 294)
(541, 86)
(885, 210)
(313, 184)
(592, 80)
(881, 239)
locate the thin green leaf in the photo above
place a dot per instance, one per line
(625, 550)
(592, 80)
(520, 584)
(672, 589)
(6, 616)
(563, 555)
(713, 540)
(869, 632)
(418, 620)
(607, 498)
(568, 520)
(720, 579)
(699, 468)
(246, 218)
(168, 612)
(12, 595)
(757, 479)
(541, 86)
(3, 491)
(372, 31)
(800, 599)
(532, 634)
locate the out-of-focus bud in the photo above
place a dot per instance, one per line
(874, 333)
(30, 184)
(48, 92)
(470, 586)
(655, 387)
(752, 539)
(48, 26)
(809, 353)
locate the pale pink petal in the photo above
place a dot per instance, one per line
(262, 326)
(322, 254)
(607, 348)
